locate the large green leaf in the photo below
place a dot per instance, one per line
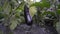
(46, 4)
(32, 11)
(13, 24)
(37, 4)
(41, 4)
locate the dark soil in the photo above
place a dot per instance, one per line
(34, 29)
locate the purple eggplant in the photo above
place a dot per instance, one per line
(27, 15)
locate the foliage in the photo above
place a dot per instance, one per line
(48, 12)
(32, 11)
(59, 6)
(58, 11)
(41, 4)
(0, 8)
(13, 24)
(1, 15)
(12, 11)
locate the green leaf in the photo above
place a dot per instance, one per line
(58, 6)
(43, 0)
(46, 4)
(21, 6)
(0, 8)
(52, 13)
(1, 15)
(17, 15)
(37, 4)
(32, 11)
(13, 24)
(41, 4)
(58, 11)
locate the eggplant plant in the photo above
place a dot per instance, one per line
(12, 13)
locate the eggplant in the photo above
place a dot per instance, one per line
(28, 18)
